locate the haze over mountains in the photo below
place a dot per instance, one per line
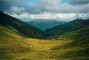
(44, 24)
(42, 28)
(20, 40)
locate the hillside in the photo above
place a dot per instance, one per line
(80, 43)
(14, 45)
(80, 34)
(22, 28)
(68, 27)
(44, 24)
(78, 31)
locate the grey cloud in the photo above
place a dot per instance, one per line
(79, 2)
(43, 6)
(75, 9)
(73, 6)
(50, 5)
(7, 5)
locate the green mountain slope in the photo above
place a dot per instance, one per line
(44, 24)
(80, 34)
(78, 48)
(68, 27)
(80, 45)
(23, 28)
(14, 45)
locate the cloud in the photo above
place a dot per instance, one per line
(67, 8)
(32, 7)
(79, 2)
(44, 9)
(40, 6)
(16, 10)
(50, 5)
(51, 16)
(6, 4)
(83, 15)
(45, 15)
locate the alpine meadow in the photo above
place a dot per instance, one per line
(44, 30)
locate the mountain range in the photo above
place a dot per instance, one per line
(27, 30)
(20, 40)
(44, 24)
(68, 27)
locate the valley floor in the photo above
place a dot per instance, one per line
(27, 49)
(15, 47)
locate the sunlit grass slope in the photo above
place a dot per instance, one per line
(14, 46)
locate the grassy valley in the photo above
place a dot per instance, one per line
(20, 41)
(18, 47)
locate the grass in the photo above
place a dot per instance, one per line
(15, 47)
(29, 48)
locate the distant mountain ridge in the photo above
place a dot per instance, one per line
(68, 27)
(44, 24)
(58, 32)
(19, 40)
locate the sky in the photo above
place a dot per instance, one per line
(27, 10)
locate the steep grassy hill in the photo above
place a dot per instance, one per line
(79, 46)
(23, 28)
(78, 31)
(68, 27)
(80, 34)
